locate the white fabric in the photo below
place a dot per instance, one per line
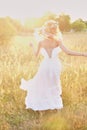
(44, 90)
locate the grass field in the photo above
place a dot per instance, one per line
(17, 61)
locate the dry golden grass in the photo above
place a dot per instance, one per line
(16, 61)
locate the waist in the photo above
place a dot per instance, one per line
(52, 59)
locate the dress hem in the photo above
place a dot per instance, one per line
(58, 108)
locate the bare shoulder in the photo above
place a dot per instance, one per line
(57, 42)
(42, 42)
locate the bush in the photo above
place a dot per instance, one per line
(7, 30)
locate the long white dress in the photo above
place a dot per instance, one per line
(44, 90)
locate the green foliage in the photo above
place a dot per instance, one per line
(7, 30)
(79, 25)
(86, 24)
(56, 122)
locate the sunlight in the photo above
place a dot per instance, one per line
(37, 8)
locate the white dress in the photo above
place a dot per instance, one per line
(44, 90)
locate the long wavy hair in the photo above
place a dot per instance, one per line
(49, 27)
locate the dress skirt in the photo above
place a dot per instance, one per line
(44, 89)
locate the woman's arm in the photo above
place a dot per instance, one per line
(70, 52)
(36, 52)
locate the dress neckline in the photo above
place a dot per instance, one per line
(51, 52)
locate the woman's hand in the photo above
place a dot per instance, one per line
(84, 54)
(31, 44)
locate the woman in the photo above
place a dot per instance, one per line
(44, 90)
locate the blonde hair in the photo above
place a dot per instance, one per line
(50, 27)
(51, 24)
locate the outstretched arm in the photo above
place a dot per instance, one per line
(36, 52)
(70, 52)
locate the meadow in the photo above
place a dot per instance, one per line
(17, 61)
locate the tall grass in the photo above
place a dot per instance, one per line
(17, 61)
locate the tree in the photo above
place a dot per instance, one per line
(7, 30)
(79, 25)
(64, 22)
